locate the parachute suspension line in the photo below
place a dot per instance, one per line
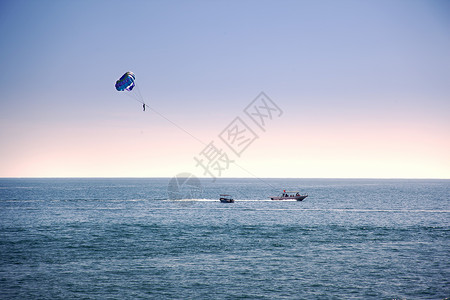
(175, 124)
(140, 100)
(134, 97)
(139, 94)
(253, 175)
(203, 143)
(198, 140)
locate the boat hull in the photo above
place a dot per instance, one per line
(226, 200)
(297, 198)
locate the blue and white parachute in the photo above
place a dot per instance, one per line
(126, 82)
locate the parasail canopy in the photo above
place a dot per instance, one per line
(126, 82)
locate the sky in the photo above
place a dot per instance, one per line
(352, 89)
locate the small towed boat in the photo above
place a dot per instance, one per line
(289, 195)
(224, 198)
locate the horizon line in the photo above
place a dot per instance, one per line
(256, 178)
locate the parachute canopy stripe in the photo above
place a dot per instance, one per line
(126, 82)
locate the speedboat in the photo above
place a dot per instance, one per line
(224, 198)
(289, 195)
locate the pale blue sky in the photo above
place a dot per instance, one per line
(364, 86)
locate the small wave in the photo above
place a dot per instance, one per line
(378, 210)
(237, 200)
(191, 200)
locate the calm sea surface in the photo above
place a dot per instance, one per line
(128, 239)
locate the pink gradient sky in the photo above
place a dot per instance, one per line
(364, 87)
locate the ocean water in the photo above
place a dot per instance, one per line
(130, 239)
